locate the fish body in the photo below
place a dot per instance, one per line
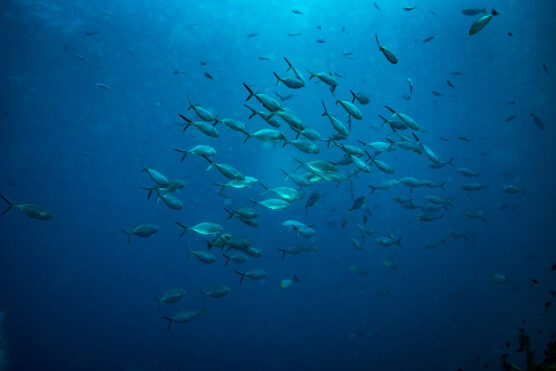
(254, 273)
(201, 112)
(351, 109)
(34, 211)
(183, 316)
(273, 203)
(336, 124)
(204, 256)
(481, 22)
(142, 230)
(205, 228)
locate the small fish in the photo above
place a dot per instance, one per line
(510, 118)
(299, 12)
(320, 41)
(263, 58)
(474, 11)
(376, 5)
(91, 33)
(294, 34)
(481, 22)
(450, 84)
(429, 38)
(283, 98)
(253, 34)
(437, 94)
(538, 121)
(444, 139)
(348, 53)
(511, 102)
(209, 76)
(102, 86)
(410, 8)
(545, 68)
(389, 54)
(203, 63)
(510, 34)
(34, 211)
(457, 73)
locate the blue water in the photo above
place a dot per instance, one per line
(77, 296)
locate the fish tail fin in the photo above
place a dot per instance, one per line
(311, 74)
(384, 120)
(11, 204)
(295, 278)
(209, 245)
(278, 79)
(442, 185)
(170, 320)
(251, 94)
(189, 102)
(264, 186)
(253, 111)
(373, 189)
(399, 242)
(494, 12)
(301, 163)
(185, 229)
(246, 133)
(333, 89)
(148, 189)
(354, 95)
(183, 152)
(451, 162)
(390, 109)
(377, 42)
(416, 137)
(128, 235)
(255, 203)
(242, 276)
(283, 253)
(289, 64)
(323, 106)
(227, 259)
(229, 211)
(209, 160)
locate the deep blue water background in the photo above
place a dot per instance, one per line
(77, 296)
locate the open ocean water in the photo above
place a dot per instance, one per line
(414, 231)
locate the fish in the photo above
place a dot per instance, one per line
(512, 189)
(91, 33)
(376, 5)
(266, 135)
(476, 214)
(208, 76)
(215, 292)
(205, 228)
(203, 63)
(457, 73)
(170, 297)
(545, 68)
(320, 41)
(201, 112)
(312, 199)
(291, 67)
(184, 316)
(467, 172)
(450, 84)
(434, 244)
(389, 54)
(360, 97)
(336, 124)
(272, 204)
(284, 98)
(298, 12)
(253, 34)
(294, 34)
(499, 278)
(437, 93)
(426, 40)
(238, 258)
(102, 86)
(473, 187)
(169, 200)
(203, 256)
(290, 81)
(510, 118)
(481, 22)
(538, 122)
(34, 211)
(203, 126)
(463, 139)
(263, 58)
(142, 230)
(358, 203)
(350, 108)
(473, 11)
(389, 240)
(327, 78)
(268, 102)
(254, 273)
(288, 282)
(348, 53)
(428, 152)
(511, 102)
(410, 8)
